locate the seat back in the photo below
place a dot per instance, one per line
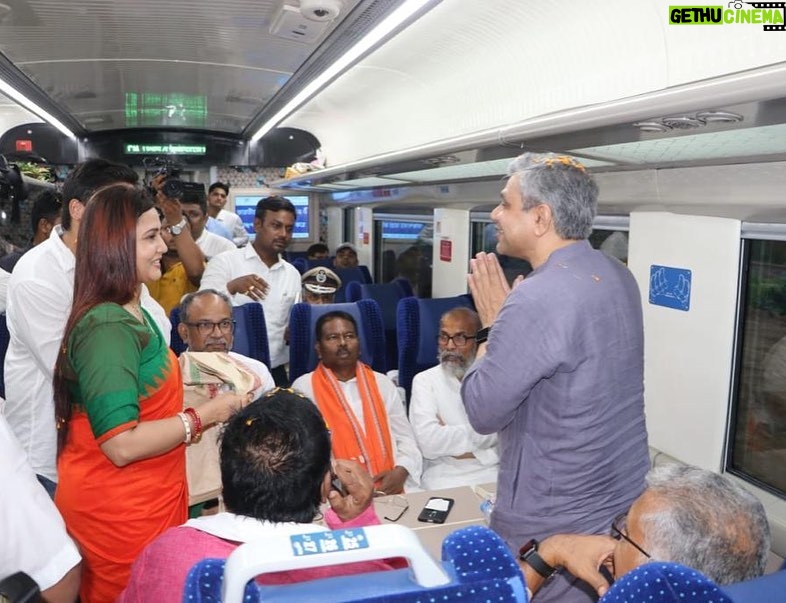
(302, 338)
(417, 326)
(387, 296)
(766, 588)
(475, 560)
(250, 337)
(5, 338)
(359, 274)
(664, 582)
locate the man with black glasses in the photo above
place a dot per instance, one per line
(207, 325)
(686, 515)
(454, 454)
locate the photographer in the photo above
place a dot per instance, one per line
(183, 263)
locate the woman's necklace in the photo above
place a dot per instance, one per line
(135, 309)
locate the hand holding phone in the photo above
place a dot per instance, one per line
(436, 510)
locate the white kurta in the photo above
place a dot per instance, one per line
(211, 244)
(284, 292)
(436, 395)
(40, 294)
(34, 535)
(233, 224)
(405, 449)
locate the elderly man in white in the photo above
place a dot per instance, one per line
(453, 453)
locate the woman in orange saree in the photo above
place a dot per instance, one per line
(119, 397)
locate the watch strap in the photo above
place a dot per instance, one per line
(178, 228)
(482, 335)
(529, 555)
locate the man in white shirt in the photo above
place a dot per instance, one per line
(216, 200)
(40, 293)
(34, 535)
(258, 274)
(454, 453)
(207, 325)
(363, 408)
(194, 206)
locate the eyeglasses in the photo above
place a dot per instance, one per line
(618, 528)
(206, 327)
(459, 340)
(401, 505)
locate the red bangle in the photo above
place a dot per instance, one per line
(191, 412)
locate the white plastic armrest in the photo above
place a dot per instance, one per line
(275, 554)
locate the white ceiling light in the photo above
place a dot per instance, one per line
(25, 102)
(390, 23)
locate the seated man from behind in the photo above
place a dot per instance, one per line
(362, 407)
(317, 251)
(686, 515)
(454, 454)
(207, 325)
(346, 256)
(276, 471)
(319, 286)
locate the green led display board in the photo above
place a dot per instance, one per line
(172, 109)
(164, 149)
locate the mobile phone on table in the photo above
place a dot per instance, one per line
(436, 510)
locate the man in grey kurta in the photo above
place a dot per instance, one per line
(561, 379)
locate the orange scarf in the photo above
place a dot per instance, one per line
(368, 444)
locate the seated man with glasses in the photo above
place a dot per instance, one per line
(686, 515)
(276, 472)
(362, 407)
(207, 325)
(454, 454)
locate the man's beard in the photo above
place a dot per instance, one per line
(454, 363)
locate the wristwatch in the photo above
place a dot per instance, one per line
(482, 335)
(176, 229)
(529, 555)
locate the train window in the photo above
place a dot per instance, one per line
(758, 427)
(405, 247)
(612, 241)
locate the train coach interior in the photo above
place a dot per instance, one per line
(412, 111)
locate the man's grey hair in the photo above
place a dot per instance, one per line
(186, 302)
(706, 522)
(564, 185)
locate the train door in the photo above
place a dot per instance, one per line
(403, 246)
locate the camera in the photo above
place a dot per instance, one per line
(176, 189)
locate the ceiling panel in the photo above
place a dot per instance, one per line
(88, 56)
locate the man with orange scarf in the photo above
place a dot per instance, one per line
(362, 408)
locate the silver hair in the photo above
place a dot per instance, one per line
(706, 522)
(564, 185)
(186, 302)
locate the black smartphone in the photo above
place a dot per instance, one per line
(336, 484)
(436, 510)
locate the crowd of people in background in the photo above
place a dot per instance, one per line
(539, 390)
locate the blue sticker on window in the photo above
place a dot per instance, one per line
(328, 542)
(670, 287)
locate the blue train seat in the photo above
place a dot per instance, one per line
(302, 338)
(387, 295)
(250, 337)
(474, 560)
(771, 587)
(358, 274)
(417, 325)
